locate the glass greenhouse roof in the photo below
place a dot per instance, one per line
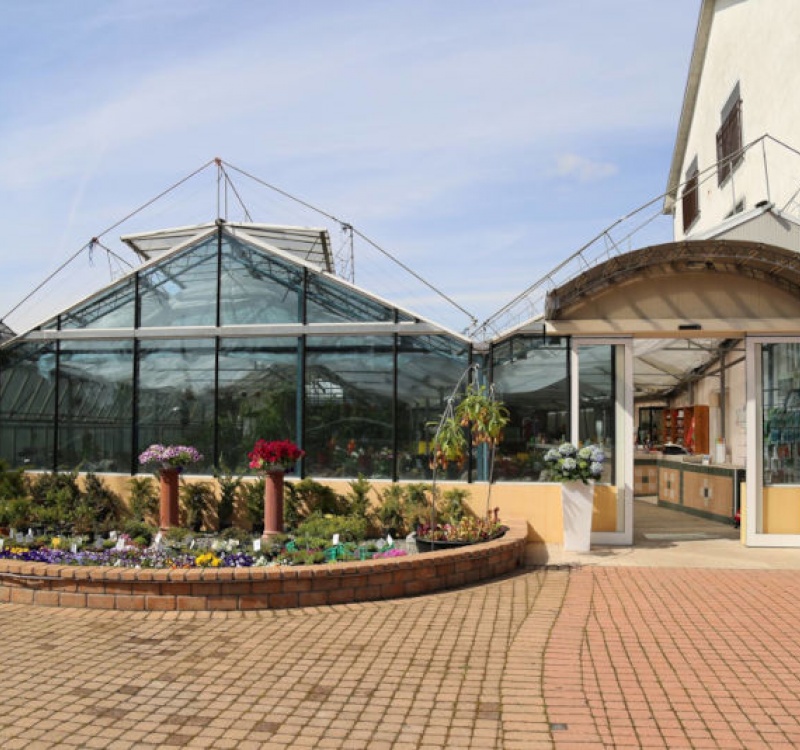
(309, 244)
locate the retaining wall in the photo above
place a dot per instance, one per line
(279, 587)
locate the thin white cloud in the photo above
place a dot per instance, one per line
(582, 169)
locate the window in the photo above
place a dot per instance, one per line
(691, 201)
(729, 136)
(531, 376)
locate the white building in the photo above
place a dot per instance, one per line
(735, 169)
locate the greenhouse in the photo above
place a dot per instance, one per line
(227, 333)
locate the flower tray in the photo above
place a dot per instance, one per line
(431, 545)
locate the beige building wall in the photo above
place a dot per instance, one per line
(752, 43)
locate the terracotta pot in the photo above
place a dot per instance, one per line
(273, 503)
(169, 508)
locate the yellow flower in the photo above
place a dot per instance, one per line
(207, 559)
(55, 542)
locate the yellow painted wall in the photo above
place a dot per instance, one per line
(538, 504)
(781, 510)
(605, 508)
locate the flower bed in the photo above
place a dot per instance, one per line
(121, 552)
(275, 587)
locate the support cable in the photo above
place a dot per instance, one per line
(366, 239)
(94, 239)
(229, 181)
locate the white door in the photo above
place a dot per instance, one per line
(601, 407)
(772, 502)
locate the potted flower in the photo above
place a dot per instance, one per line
(576, 468)
(170, 461)
(170, 456)
(274, 455)
(469, 530)
(274, 458)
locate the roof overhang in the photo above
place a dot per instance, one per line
(768, 263)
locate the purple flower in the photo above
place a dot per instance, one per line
(170, 456)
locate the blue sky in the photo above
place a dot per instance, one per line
(479, 142)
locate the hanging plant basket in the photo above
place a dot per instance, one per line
(480, 414)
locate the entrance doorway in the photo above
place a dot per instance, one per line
(689, 454)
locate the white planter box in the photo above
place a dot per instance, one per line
(577, 502)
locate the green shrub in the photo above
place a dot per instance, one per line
(142, 533)
(20, 513)
(452, 507)
(416, 506)
(198, 502)
(55, 499)
(359, 496)
(144, 499)
(305, 557)
(176, 535)
(389, 513)
(308, 496)
(252, 494)
(12, 482)
(240, 535)
(228, 490)
(349, 528)
(104, 504)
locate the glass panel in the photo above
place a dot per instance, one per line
(176, 396)
(95, 405)
(257, 395)
(181, 291)
(114, 308)
(428, 369)
(329, 302)
(27, 405)
(780, 402)
(258, 287)
(597, 402)
(530, 376)
(349, 396)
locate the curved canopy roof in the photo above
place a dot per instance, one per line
(766, 263)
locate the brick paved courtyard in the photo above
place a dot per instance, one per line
(635, 657)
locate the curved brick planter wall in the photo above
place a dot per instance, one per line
(259, 588)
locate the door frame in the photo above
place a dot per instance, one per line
(754, 462)
(623, 442)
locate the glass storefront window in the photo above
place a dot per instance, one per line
(257, 396)
(176, 396)
(428, 369)
(27, 405)
(95, 405)
(349, 426)
(780, 409)
(531, 377)
(597, 402)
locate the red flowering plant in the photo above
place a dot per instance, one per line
(274, 455)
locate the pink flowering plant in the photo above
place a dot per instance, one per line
(170, 456)
(274, 455)
(468, 530)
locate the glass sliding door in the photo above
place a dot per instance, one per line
(771, 516)
(602, 414)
